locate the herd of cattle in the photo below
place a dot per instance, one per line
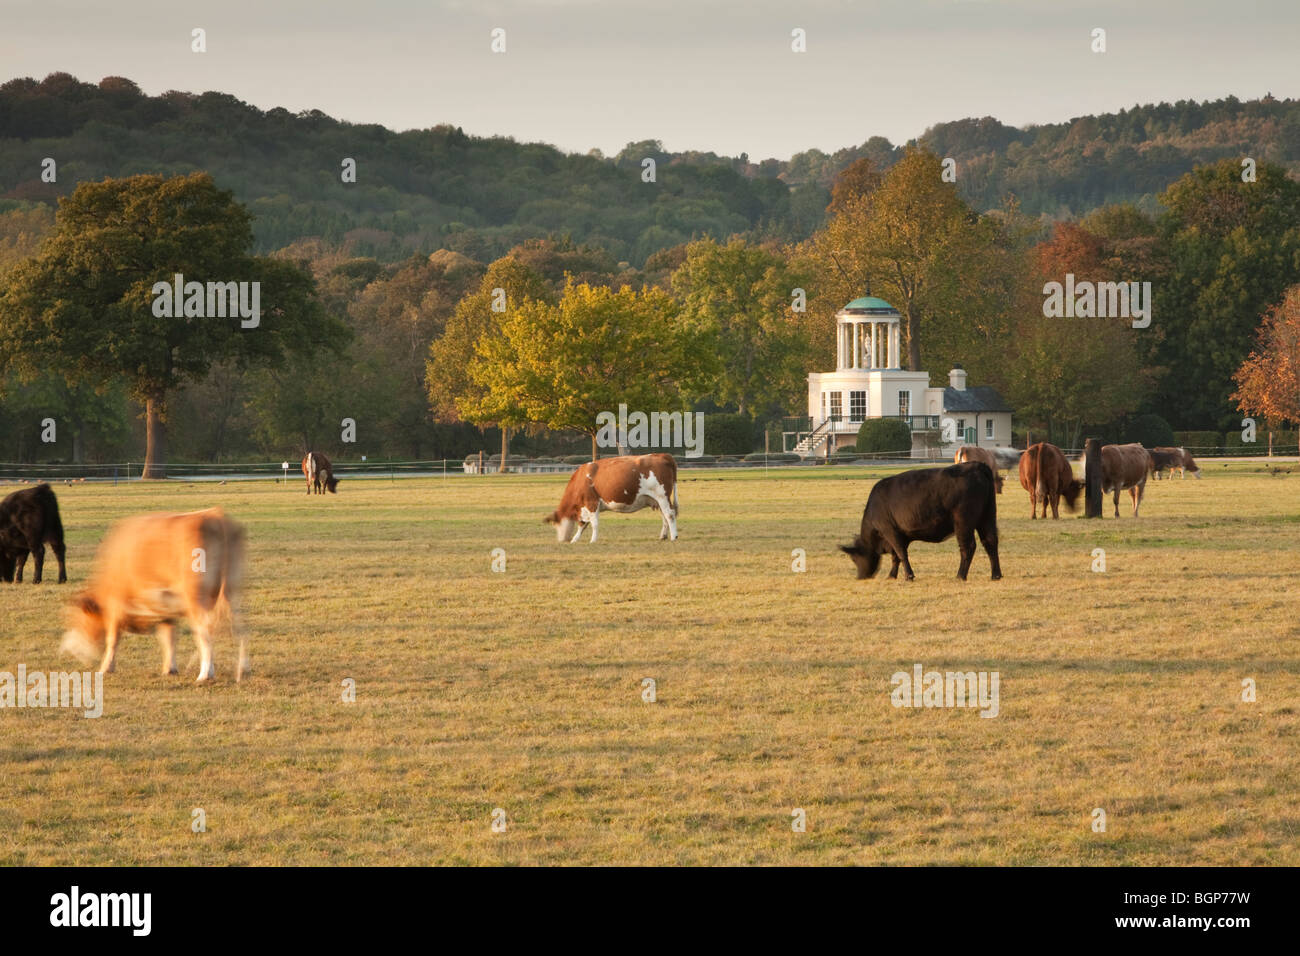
(155, 571)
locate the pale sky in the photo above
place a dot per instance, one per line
(697, 74)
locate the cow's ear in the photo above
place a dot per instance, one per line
(551, 518)
(87, 604)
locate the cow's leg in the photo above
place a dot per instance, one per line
(989, 538)
(109, 662)
(203, 639)
(1033, 506)
(167, 643)
(38, 561)
(1137, 492)
(595, 526)
(1056, 506)
(898, 547)
(19, 562)
(966, 545)
(666, 509)
(60, 551)
(1116, 500)
(893, 571)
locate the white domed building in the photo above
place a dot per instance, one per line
(870, 382)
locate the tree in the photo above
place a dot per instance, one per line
(1233, 249)
(915, 243)
(85, 305)
(559, 365)
(1268, 382)
(736, 301)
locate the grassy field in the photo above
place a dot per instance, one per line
(522, 690)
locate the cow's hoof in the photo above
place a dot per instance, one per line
(997, 577)
(171, 673)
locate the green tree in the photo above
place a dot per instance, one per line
(559, 365)
(737, 303)
(84, 306)
(1233, 249)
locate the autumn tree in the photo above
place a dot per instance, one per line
(1268, 382)
(84, 305)
(915, 243)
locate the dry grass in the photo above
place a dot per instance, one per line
(522, 690)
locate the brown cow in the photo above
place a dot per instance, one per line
(154, 571)
(318, 471)
(1046, 474)
(627, 483)
(1162, 459)
(1125, 467)
(976, 453)
(1176, 458)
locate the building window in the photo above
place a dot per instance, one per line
(988, 428)
(837, 409)
(904, 404)
(857, 406)
(961, 429)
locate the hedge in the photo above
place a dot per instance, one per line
(1281, 439)
(883, 435)
(1198, 441)
(727, 433)
(781, 456)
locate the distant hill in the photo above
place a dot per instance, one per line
(422, 190)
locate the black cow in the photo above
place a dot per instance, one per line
(928, 504)
(29, 520)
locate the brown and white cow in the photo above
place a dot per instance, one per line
(154, 571)
(1162, 460)
(1174, 458)
(1125, 467)
(318, 471)
(976, 453)
(1046, 474)
(627, 483)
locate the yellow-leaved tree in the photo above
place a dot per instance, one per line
(559, 365)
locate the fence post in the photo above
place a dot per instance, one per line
(1092, 478)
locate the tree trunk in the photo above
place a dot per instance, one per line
(913, 342)
(155, 453)
(505, 446)
(594, 454)
(78, 442)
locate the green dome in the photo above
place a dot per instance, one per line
(870, 302)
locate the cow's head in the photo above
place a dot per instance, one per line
(332, 484)
(865, 554)
(565, 525)
(84, 637)
(8, 562)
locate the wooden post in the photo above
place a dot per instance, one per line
(1092, 478)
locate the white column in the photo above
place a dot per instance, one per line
(855, 346)
(871, 363)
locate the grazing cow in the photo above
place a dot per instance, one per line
(1125, 467)
(976, 453)
(29, 520)
(626, 483)
(1046, 474)
(318, 471)
(155, 571)
(928, 504)
(1172, 458)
